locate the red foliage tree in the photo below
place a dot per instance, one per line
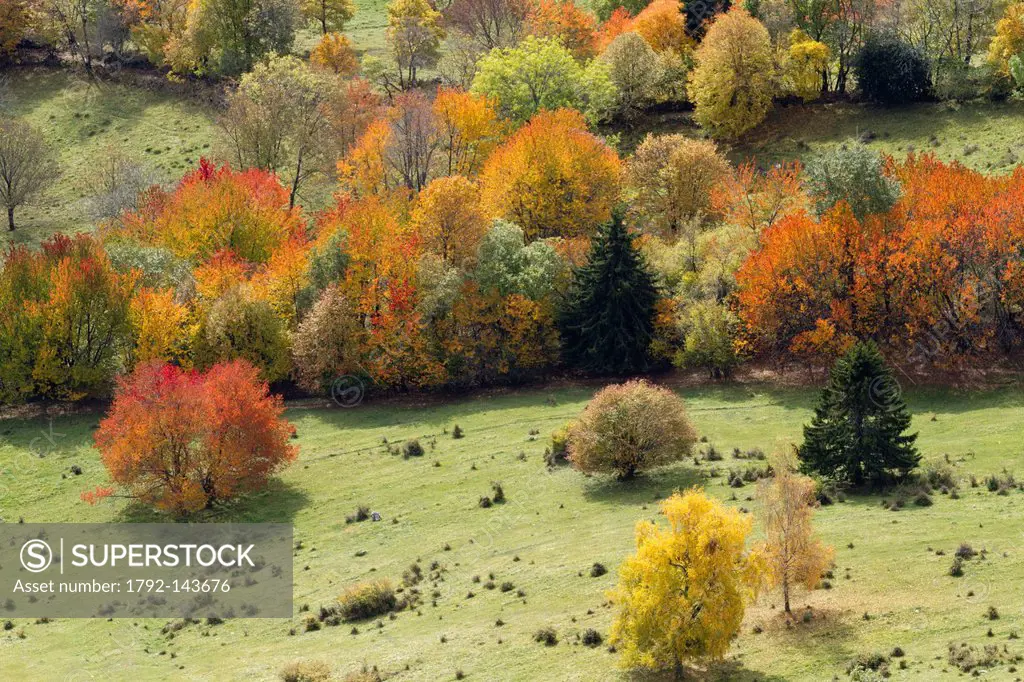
(181, 440)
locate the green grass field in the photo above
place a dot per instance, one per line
(544, 539)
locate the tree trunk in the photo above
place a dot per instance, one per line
(785, 595)
(10, 218)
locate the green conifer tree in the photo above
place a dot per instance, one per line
(858, 431)
(607, 322)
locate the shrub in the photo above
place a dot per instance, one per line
(240, 327)
(412, 448)
(558, 453)
(485, 502)
(457, 432)
(630, 427)
(957, 569)
(597, 570)
(875, 662)
(305, 671)
(499, 493)
(592, 638)
(892, 72)
(546, 636)
(364, 675)
(852, 173)
(965, 551)
(360, 514)
(367, 600)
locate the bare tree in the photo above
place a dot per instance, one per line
(27, 165)
(413, 152)
(491, 23)
(278, 120)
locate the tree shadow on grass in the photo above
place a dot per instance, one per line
(279, 502)
(645, 487)
(722, 671)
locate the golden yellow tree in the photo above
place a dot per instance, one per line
(448, 217)
(1008, 41)
(734, 79)
(682, 595)
(792, 554)
(805, 62)
(334, 52)
(553, 177)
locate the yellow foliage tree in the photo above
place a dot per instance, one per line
(553, 177)
(663, 26)
(448, 216)
(806, 60)
(334, 52)
(683, 594)
(734, 78)
(792, 553)
(469, 129)
(158, 322)
(1008, 41)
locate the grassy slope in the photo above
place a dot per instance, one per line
(83, 120)
(558, 523)
(986, 136)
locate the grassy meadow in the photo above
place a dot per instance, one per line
(890, 587)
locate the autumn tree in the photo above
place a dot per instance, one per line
(565, 21)
(159, 325)
(552, 177)
(858, 433)
(663, 26)
(756, 199)
(468, 129)
(1008, 41)
(635, 70)
(672, 178)
(682, 596)
(183, 441)
(448, 216)
(326, 344)
(414, 36)
(628, 428)
(27, 165)
(328, 15)
(732, 84)
(608, 317)
(212, 209)
(806, 59)
(15, 18)
(539, 74)
(334, 53)
(277, 120)
(792, 554)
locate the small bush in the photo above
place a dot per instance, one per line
(966, 657)
(597, 570)
(546, 636)
(923, 500)
(305, 671)
(364, 675)
(499, 494)
(874, 662)
(558, 453)
(485, 502)
(361, 514)
(457, 432)
(965, 551)
(592, 638)
(992, 613)
(412, 448)
(367, 600)
(957, 569)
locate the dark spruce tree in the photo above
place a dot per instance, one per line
(607, 322)
(858, 433)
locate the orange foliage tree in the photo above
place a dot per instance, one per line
(567, 21)
(663, 26)
(469, 129)
(935, 279)
(553, 177)
(756, 200)
(217, 208)
(182, 441)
